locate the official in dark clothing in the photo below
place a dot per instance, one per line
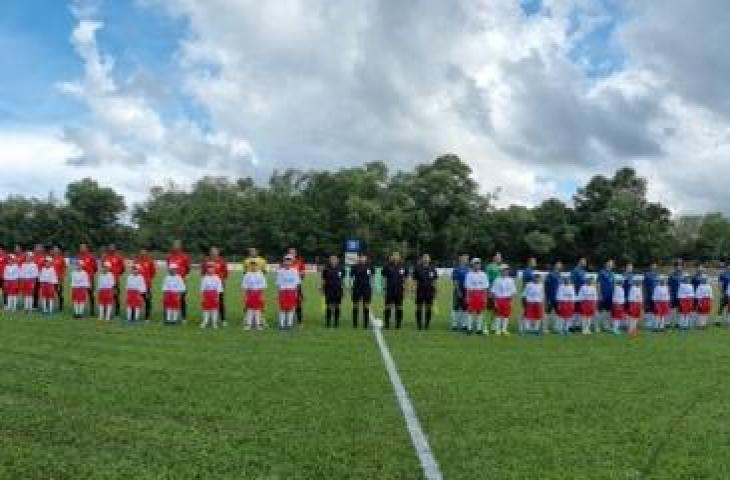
(425, 276)
(552, 283)
(394, 274)
(362, 290)
(332, 277)
(723, 279)
(651, 280)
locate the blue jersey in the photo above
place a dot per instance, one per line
(724, 280)
(628, 282)
(528, 275)
(697, 279)
(605, 285)
(675, 278)
(552, 282)
(578, 276)
(650, 282)
(458, 275)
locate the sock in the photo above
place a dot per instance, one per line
(355, 312)
(428, 316)
(299, 314)
(282, 320)
(398, 317)
(290, 318)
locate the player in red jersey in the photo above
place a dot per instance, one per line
(59, 264)
(87, 261)
(180, 262)
(114, 261)
(220, 268)
(148, 269)
(298, 265)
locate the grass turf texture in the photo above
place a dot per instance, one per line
(80, 400)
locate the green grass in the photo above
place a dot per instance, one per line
(82, 400)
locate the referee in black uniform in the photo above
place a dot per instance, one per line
(362, 290)
(332, 276)
(425, 276)
(394, 274)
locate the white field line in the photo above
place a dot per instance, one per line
(418, 438)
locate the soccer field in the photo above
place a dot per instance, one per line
(82, 400)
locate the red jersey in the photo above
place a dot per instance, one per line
(88, 264)
(115, 263)
(220, 267)
(4, 259)
(147, 268)
(39, 259)
(181, 261)
(59, 265)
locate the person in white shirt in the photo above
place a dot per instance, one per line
(253, 285)
(566, 304)
(80, 285)
(635, 304)
(504, 290)
(105, 293)
(686, 297)
(703, 293)
(11, 283)
(211, 288)
(288, 282)
(534, 295)
(136, 290)
(588, 302)
(28, 279)
(618, 305)
(48, 280)
(476, 285)
(173, 287)
(662, 304)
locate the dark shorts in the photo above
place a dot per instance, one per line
(362, 295)
(459, 301)
(425, 295)
(394, 297)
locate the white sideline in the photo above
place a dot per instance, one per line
(418, 438)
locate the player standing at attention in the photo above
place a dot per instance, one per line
(635, 305)
(59, 264)
(703, 293)
(675, 278)
(253, 285)
(534, 295)
(477, 286)
(301, 268)
(493, 270)
(426, 277)
(11, 282)
(288, 282)
(173, 288)
(628, 278)
(39, 257)
(136, 289)
(211, 287)
(618, 307)
(588, 302)
(578, 277)
(86, 259)
(332, 277)
(394, 274)
(686, 299)
(552, 285)
(115, 263)
(362, 289)
(253, 258)
(503, 290)
(651, 277)
(105, 292)
(48, 281)
(662, 308)
(458, 309)
(148, 269)
(220, 268)
(80, 284)
(179, 261)
(566, 304)
(606, 280)
(28, 280)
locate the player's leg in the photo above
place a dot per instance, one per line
(355, 308)
(428, 310)
(222, 308)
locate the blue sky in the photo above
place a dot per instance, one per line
(536, 95)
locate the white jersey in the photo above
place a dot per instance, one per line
(211, 283)
(254, 281)
(476, 280)
(534, 293)
(636, 295)
(504, 287)
(173, 283)
(29, 270)
(619, 295)
(661, 293)
(80, 279)
(703, 291)
(106, 281)
(686, 290)
(136, 283)
(588, 293)
(48, 275)
(11, 272)
(566, 293)
(287, 279)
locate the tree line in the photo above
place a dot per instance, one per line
(435, 208)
